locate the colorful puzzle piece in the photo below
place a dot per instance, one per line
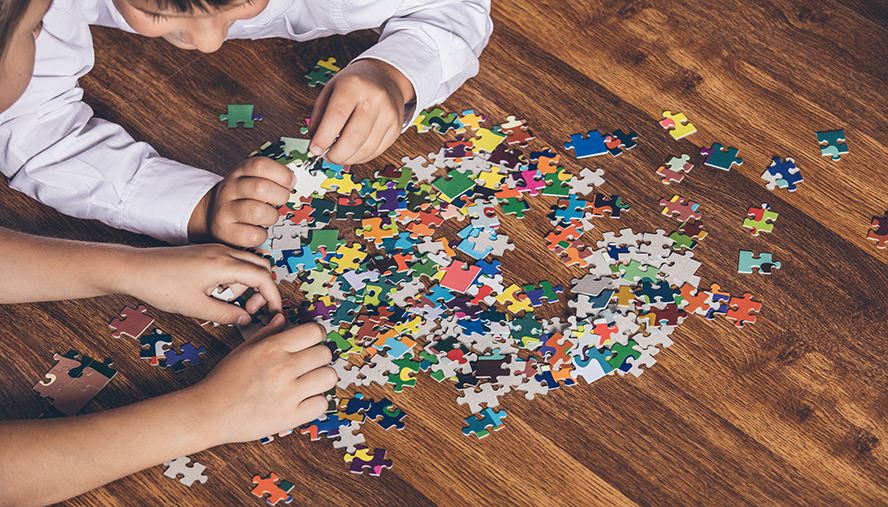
(761, 221)
(240, 113)
(832, 143)
(720, 157)
(678, 125)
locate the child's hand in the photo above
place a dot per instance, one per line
(238, 208)
(181, 279)
(271, 383)
(364, 105)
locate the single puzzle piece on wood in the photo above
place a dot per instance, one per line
(592, 144)
(763, 262)
(832, 143)
(240, 113)
(153, 346)
(678, 124)
(782, 174)
(879, 231)
(619, 140)
(178, 360)
(322, 72)
(761, 221)
(190, 474)
(268, 486)
(132, 322)
(720, 157)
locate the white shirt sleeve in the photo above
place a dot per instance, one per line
(54, 150)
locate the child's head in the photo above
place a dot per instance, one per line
(188, 24)
(20, 24)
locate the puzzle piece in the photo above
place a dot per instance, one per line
(268, 486)
(592, 144)
(74, 381)
(240, 113)
(763, 262)
(678, 125)
(743, 313)
(720, 157)
(879, 231)
(676, 166)
(190, 474)
(153, 346)
(132, 322)
(322, 72)
(832, 143)
(782, 174)
(489, 418)
(619, 139)
(764, 219)
(679, 208)
(362, 458)
(178, 361)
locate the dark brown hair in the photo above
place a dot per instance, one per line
(11, 14)
(190, 5)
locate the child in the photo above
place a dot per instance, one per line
(240, 399)
(426, 50)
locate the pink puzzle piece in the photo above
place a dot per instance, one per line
(132, 322)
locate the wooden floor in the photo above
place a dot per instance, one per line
(791, 410)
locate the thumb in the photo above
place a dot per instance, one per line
(274, 326)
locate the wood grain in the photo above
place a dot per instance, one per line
(791, 410)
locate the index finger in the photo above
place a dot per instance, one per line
(266, 168)
(303, 337)
(329, 116)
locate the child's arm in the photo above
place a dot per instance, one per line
(174, 279)
(269, 384)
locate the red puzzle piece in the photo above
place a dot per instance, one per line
(133, 322)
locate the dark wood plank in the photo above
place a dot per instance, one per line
(789, 411)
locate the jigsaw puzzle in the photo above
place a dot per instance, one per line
(879, 231)
(240, 113)
(190, 474)
(720, 157)
(678, 125)
(832, 144)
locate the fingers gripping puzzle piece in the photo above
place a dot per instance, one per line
(832, 144)
(268, 486)
(132, 322)
(879, 231)
(240, 113)
(190, 474)
(678, 125)
(763, 219)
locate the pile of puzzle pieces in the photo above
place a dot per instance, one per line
(403, 301)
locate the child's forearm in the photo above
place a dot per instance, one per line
(35, 268)
(84, 452)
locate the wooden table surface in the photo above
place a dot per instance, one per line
(790, 410)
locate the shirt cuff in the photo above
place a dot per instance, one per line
(161, 200)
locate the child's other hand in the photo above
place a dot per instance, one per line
(181, 279)
(271, 383)
(364, 105)
(237, 210)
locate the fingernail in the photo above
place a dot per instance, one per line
(315, 150)
(293, 181)
(243, 320)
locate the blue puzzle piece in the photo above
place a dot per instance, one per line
(723, 160)
(832, 148)
(590, 145)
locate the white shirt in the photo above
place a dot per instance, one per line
(54, 150)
